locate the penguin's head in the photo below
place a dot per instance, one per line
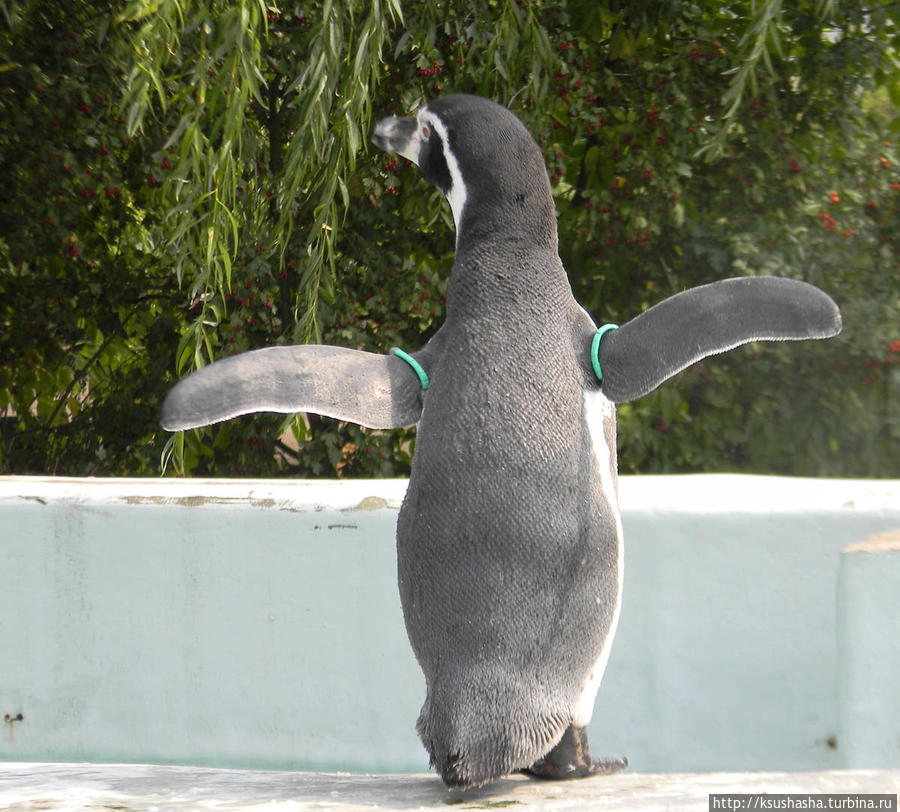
(485, 162)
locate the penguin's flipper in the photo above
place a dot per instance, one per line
(376, 391)
(706, 320)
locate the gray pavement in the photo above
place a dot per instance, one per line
(143, 788)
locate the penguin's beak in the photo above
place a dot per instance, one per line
(398, 135)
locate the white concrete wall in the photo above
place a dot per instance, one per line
(257, 624)
(869, 651)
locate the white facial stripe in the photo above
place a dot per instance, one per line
(457, 194)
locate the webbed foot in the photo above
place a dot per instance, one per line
(571, 758)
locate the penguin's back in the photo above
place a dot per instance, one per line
(507, 542)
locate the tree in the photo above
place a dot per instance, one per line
(685, 142)
(90, 319)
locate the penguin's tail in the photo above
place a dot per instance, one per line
(475, 736)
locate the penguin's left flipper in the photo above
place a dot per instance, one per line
(710, 319)
(571, 758)
(376, 391)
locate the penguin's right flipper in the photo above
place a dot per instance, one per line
(376, 391)
(707, 320)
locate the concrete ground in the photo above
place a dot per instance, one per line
(26, 787)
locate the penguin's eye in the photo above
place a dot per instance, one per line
(426, 131)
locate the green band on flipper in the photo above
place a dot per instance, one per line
(416, 366)
(595, 348)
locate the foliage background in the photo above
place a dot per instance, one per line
(185, 179)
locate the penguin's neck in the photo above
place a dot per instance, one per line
(506, 280)
(520, 214)
(507, 263)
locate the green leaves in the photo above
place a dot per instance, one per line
(82, 328)
(202, 185)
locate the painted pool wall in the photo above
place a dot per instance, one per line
(869, 651)
(257, 624)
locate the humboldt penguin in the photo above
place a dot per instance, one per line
(509, 539)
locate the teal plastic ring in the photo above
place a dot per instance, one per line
(421, 374)
(595, 348)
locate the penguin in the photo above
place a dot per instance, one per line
(509, 539)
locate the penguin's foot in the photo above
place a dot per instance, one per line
(572, 759)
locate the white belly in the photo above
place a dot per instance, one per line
(598, 410)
